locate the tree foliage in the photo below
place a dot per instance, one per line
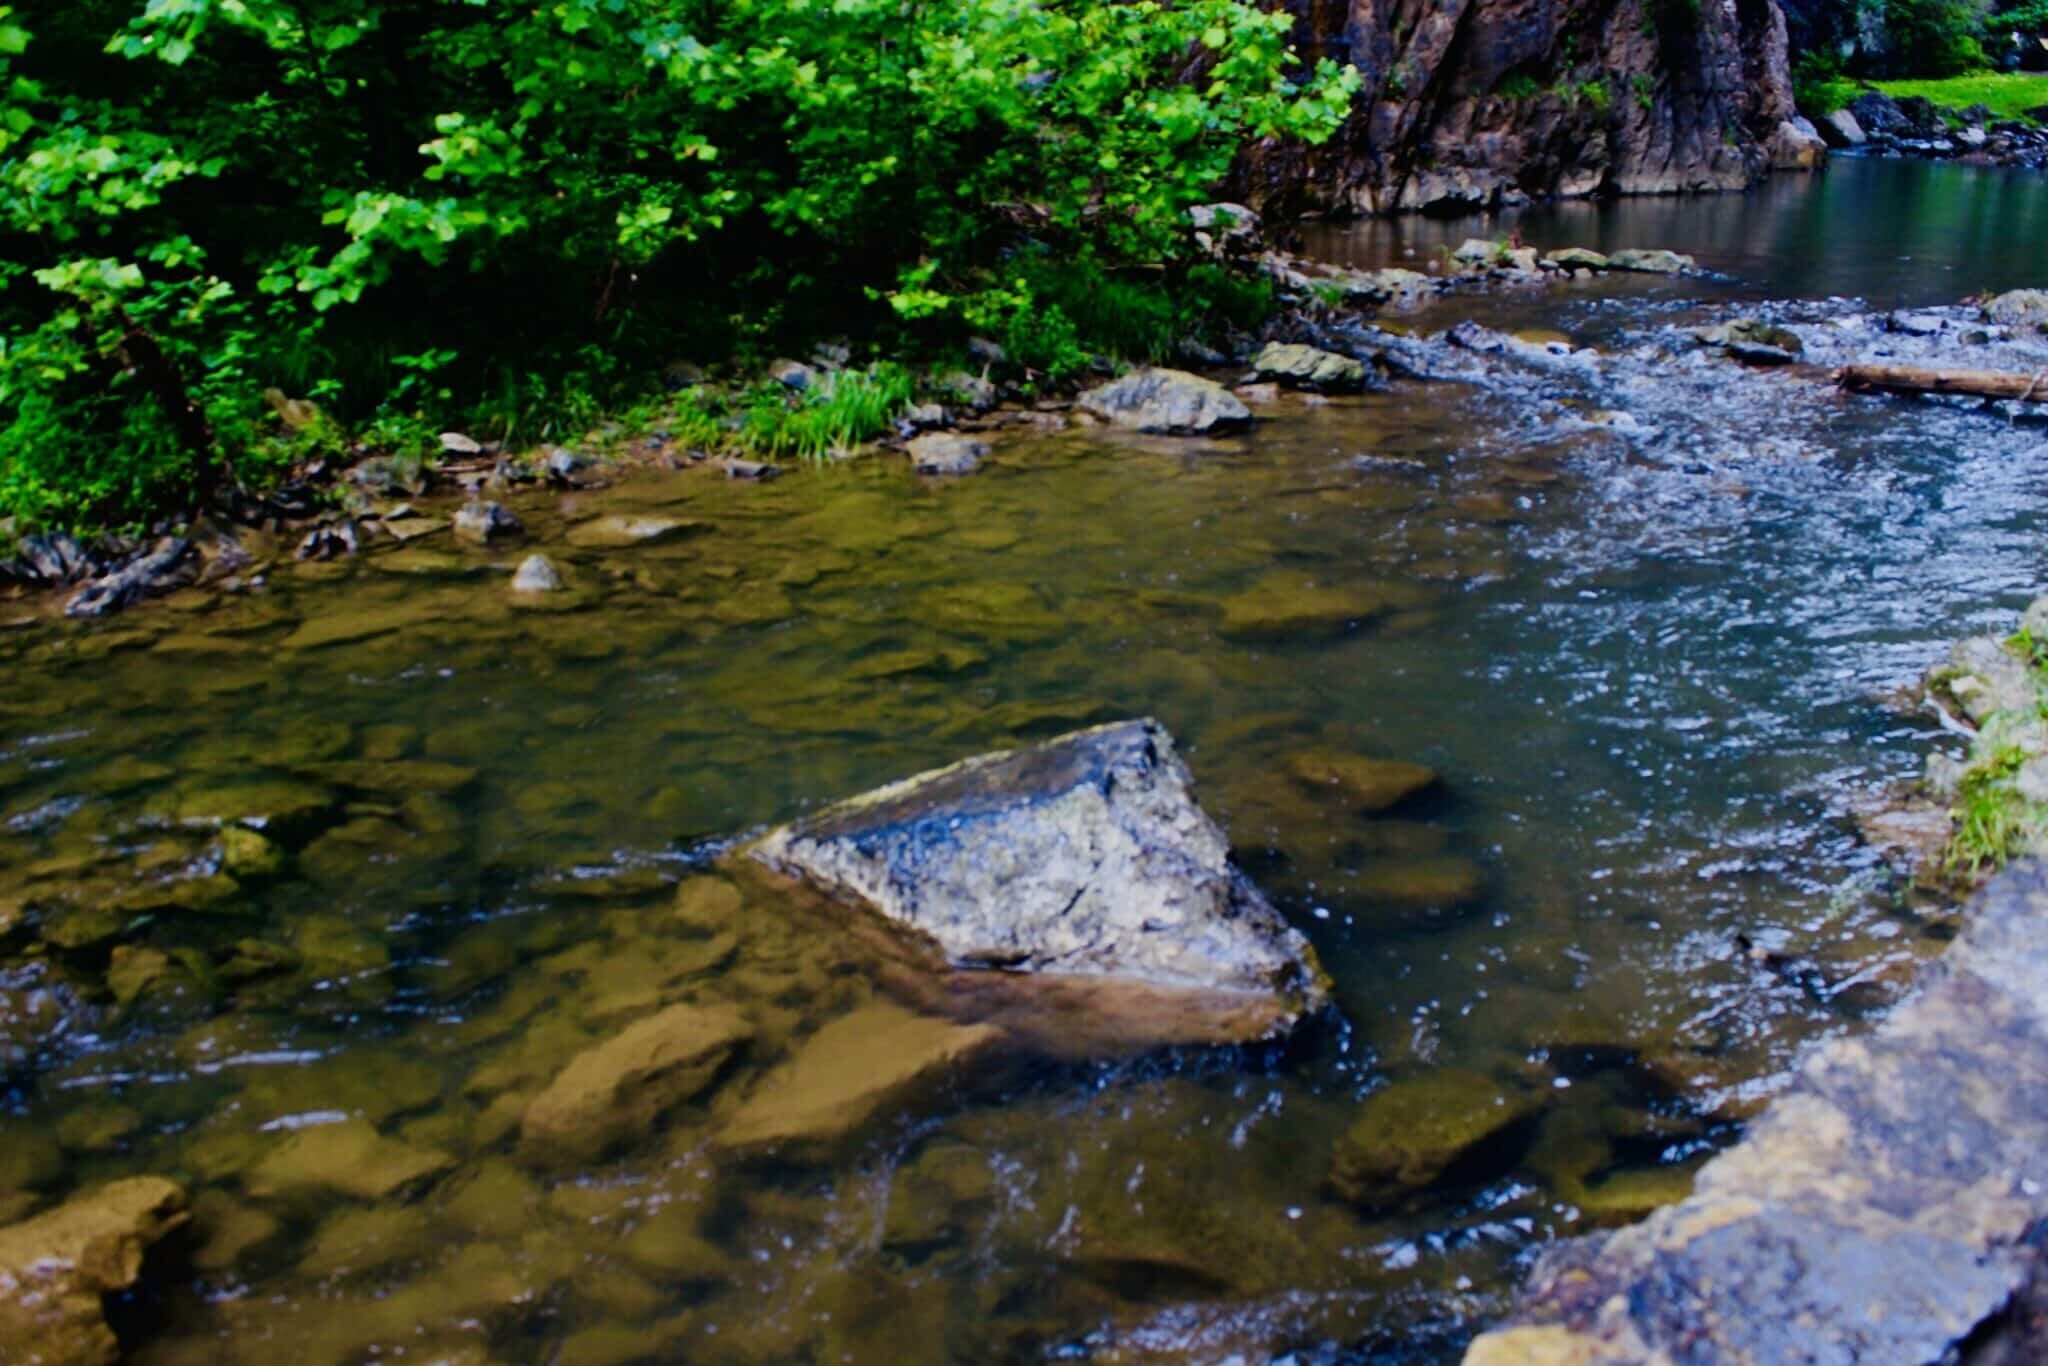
(394, 205)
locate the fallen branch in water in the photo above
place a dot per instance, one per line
(1913, 379)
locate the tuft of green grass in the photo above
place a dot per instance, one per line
(843, 410)
(2008, 94)
(1990, 815)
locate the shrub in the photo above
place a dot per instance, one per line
(200, 199)
(1818, 85)
(1935, 37)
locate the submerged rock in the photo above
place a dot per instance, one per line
(483, 523)
(1167, 402)
(623, 532)
(1307, 367)
(1363, 783)
(1886, 1207)
(1084, 856)
(847, 1072)
(1448, 1124)
(349, 1158)
(944, 453)
(56, 1269)
(621, 1088)
(1283, 606)
(537, 574)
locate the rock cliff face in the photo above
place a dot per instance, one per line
(1471, 103)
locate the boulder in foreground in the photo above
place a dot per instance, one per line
(1166, 402)
(1885, 1208)
(1084, 857)
(56, 1268)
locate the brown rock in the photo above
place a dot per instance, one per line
(55, 1268)
(623, 1086)
(850, 1070)
(1368, 785)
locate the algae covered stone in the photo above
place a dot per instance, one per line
(621, 1088)
(1414, 1133)
(850, 1070)
(1359, 781)
(1085, 856)
(56, 1269)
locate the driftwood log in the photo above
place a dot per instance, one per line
(1914, 379)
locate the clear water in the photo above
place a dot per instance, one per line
(1650, 665)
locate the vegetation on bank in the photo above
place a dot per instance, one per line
(398, 217)
(1944, 50)
(2007, 94)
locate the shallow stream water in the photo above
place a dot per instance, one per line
(1650, 656)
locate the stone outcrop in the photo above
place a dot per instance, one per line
(56, 1268)
(1472, 103)
(1886, 1208)
(1082, 858)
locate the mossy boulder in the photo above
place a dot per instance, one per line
(1309, 367)
(1446, 1125)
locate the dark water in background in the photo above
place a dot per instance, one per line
(1896, 233)
(1649, 664)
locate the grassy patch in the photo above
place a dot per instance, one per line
(1990, 814)
(2007, 94)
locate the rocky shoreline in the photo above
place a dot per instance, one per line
(1875, 124)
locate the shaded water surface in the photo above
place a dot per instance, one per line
(1647, 659)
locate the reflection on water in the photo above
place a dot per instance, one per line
(1896, 233)
(1645, 665)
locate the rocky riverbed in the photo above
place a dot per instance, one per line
(393, 905)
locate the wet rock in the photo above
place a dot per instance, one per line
(1446, 1125)
(1166, 402)
(348, 1158)
(621, 1088)
(161, 569)
(1437, 883)
(353, 1241)
(1085, 855)
(975, 392)
(228, 1230)
(459, 443)
(756, 470)
(1841, 129)
(1877, 112)
(132, 971)
(1576, 258)
(1306, 367)
(1796, 145)
(335, 542)
(1982, 678)
(626, 531)
(537, 574)
(793, 375)
(245, 854)
(1756, 341)
(281, 808)
(944, 453)
(1651, 262)
(484, 522)
(2019, 308)
(1281, 607)
(56, 1269)
(844, 1075)
(1884, 1205)
(1224, 228)
(1364, 784)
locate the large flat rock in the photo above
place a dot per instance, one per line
(1082, 858)
(619, 1089)
(1881, 1210)
(851, 1070)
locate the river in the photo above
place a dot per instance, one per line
(1651, 657)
